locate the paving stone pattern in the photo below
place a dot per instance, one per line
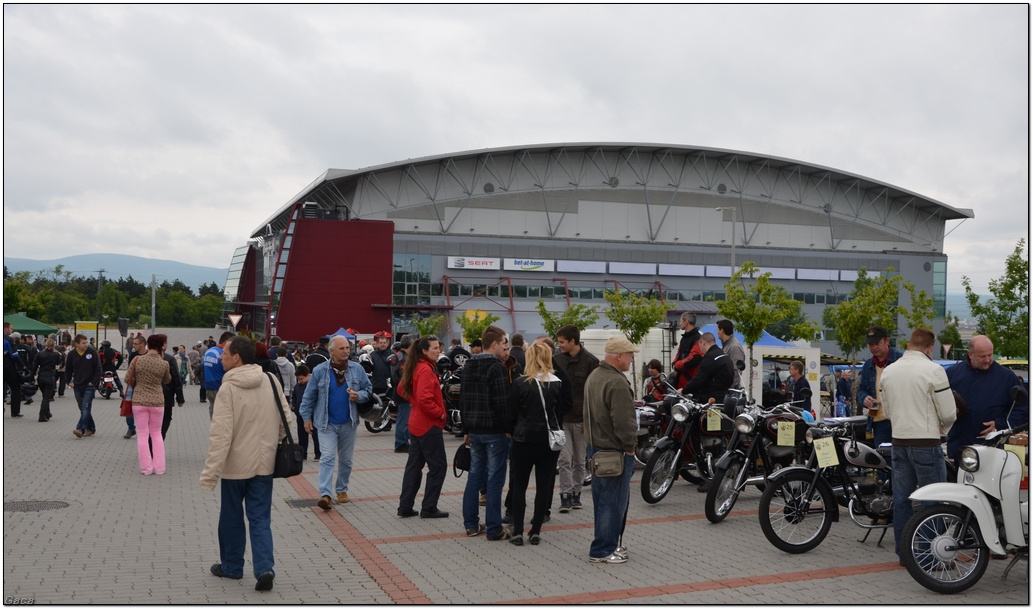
(126, 538)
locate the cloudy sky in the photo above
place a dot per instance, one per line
(172, 131)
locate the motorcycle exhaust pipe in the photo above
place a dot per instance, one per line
(756, 480)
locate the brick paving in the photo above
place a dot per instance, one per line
(132, 539)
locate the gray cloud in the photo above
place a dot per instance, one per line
(188, 125)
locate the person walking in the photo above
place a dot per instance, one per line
(211, 365)
(917, 399)
(302, 374)
(421, 388)
(45, 371)
(139, 347)
(611, 425)
(246, 427)
(329, 408)
(146, 376)
(534, 408)
(82, 372)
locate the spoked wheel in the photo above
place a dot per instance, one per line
(935, 553)
(381, 424)
(793, 520)
(724, 489)
(659, 475)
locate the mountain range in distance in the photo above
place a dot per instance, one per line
(117, 266)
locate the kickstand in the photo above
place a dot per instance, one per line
(881, 537)
(866, 534)
(1011, 564)
(869, 532)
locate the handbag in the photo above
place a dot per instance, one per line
(289, 458)
(605, 463)
(461, 460)
(557, 437)
(126, 409)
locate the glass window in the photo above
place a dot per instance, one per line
(548, 291)
(520, 291)
(798, 296)
(534, 291)
(808, 298)
(503, 291)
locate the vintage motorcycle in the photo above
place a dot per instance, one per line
(695, 436)
(800, 503)
(451, 384)
(652, 422)
(763, 442)
(107, 385)
(384, 411)
(946, 546)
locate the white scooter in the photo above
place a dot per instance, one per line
(946, 546)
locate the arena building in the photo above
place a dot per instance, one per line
(497, 230)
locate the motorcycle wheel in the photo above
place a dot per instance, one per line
(924, 543)
(381, 424)
(659, 475)
(105, 393)
(724, 489)
(792, 522)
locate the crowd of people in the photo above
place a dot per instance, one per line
(514, 398)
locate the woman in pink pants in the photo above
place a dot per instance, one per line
(147, 374)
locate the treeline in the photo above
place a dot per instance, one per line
(57, 297)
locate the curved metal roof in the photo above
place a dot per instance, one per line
(944, 211)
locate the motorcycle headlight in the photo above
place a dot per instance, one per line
(680, 412)
(745, 424)
(969, 459)
(814, 433)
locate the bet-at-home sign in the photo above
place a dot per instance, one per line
(528, 264)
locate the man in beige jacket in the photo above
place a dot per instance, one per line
(917, 398)
(246, 428)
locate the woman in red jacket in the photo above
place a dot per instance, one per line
(421, 387)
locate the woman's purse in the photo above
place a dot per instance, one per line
(557, 438)
(289, 458)
(604, 463)
(126, 409)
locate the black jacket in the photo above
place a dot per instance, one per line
(82, 369)
(110, 360)
(45, 366)
(174, 390)
(381, 369)
(526, 413)
(714, 377)
(317, 357)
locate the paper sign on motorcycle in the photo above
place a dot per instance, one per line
(713, 420)
(786, 433)
(825, 449)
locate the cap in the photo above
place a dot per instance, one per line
(876, 334)
(15, 335)
(620, 344)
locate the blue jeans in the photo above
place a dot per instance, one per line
(256, 495)
(488, 454)
(610, 497)
(882, 432)
(913, 467)
(402, 425)
(84, 398)
(341, 435)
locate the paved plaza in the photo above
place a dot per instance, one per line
(125, 538)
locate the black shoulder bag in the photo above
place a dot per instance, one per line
(289, 458)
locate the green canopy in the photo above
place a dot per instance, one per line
(27, 325)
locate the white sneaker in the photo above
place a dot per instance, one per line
(621, 551)
(612, 559)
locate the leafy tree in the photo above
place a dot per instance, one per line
(132, 287)
(208, 310)
(950, 334)
(210, 288)
(758, 304)
(428, 326)
(20, 297)
(177, 309)
(578, 314)
(922, 310)
(634, 315)
(783, 328)
(1004, 318)
(473, 327)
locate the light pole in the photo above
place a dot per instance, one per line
(731, 209)
(105, 316)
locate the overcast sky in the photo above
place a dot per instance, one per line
(173, 131)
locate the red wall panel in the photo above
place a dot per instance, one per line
(335, 272)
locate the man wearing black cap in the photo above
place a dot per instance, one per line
(320, 355)
(868, 391)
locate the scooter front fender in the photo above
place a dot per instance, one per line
(969, 498)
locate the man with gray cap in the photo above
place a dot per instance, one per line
(871, 372)
(610, 425)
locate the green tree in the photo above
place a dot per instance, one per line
(208, 310)
(474, 326)
(634, 315)
(922, 310)
(578, 314)
(950, 337)
(210, 288)
(19, 296)
(783, 328)
(755, 305)
(1004, 317)
(428, 326)
(177, 309)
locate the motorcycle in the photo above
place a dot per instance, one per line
(652, 422)
(107, 385)
(946, 546)
(758, 448)
(451, 382)
(695, 436)
(800, 503)
(384, 410)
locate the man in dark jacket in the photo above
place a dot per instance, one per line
(82, 371)
(319, 355)
(715, 375)
(685, 362)
(111, 361)
(173, 390)
(867, 391)
(380, 357)
(12, 379)
(483, 401)
(45, 371)
(577, 363)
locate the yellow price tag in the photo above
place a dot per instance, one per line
(825, 449)
(713, 420)
(786, 433)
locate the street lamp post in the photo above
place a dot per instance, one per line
(731, 209)
(105, 316)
